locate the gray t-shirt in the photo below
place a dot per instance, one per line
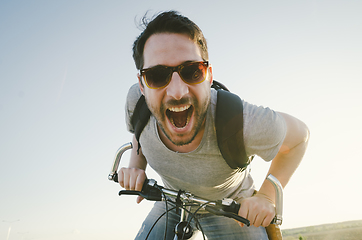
(203, 171)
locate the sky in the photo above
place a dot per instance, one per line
(66, 67)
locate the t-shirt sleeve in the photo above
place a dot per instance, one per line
(134, 93)
(264, 131)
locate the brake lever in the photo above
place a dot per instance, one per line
(129, 192)
(150, 191)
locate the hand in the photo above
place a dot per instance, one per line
(132, 179)
(259, 210)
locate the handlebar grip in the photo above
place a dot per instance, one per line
(221, 212)
(115, 178)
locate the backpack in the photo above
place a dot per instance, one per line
(228, 124)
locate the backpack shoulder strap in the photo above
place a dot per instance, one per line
(140, 117)
(229, 129)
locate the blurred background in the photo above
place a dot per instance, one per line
(66, 67)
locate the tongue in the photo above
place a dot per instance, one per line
(179, 118)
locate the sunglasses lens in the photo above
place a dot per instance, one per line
(157, 77)
(194, 72)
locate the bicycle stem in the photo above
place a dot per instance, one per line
(188, 197)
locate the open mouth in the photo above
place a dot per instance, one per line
(180, 116)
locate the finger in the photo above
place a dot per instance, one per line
(259, 219)
(126, 178)
(121, 178)
(252, 214)
(137, 177)
(139, 182)
(240, 224)
(243, 212)
(132, 181)
(268, 220)
(139, 199)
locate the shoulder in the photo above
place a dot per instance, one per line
(134, 94)
(254, 114)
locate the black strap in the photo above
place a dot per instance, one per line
(140, 117)
(219, 86)
(229, 129)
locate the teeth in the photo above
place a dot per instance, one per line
(179, 109)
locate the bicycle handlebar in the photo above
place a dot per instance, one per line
(113, 176)
(153, 192)
(226, 207)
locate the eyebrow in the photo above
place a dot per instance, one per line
(160, 65)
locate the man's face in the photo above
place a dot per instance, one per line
(179, 108)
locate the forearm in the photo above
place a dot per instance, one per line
(137, 160)
(282, 167)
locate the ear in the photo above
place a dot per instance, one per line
(140, 83)
(210, 75)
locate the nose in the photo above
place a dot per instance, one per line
(177, 88)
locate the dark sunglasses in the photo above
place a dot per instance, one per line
(160, 76)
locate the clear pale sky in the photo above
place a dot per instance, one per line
(66, 66)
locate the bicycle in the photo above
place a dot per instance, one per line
(183, 200)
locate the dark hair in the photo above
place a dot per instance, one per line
(168, 22)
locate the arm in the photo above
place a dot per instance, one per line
(259, 209)
(290, 154)
(133, 177)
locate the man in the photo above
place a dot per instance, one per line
(179, 141)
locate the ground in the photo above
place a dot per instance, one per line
(338, 231)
